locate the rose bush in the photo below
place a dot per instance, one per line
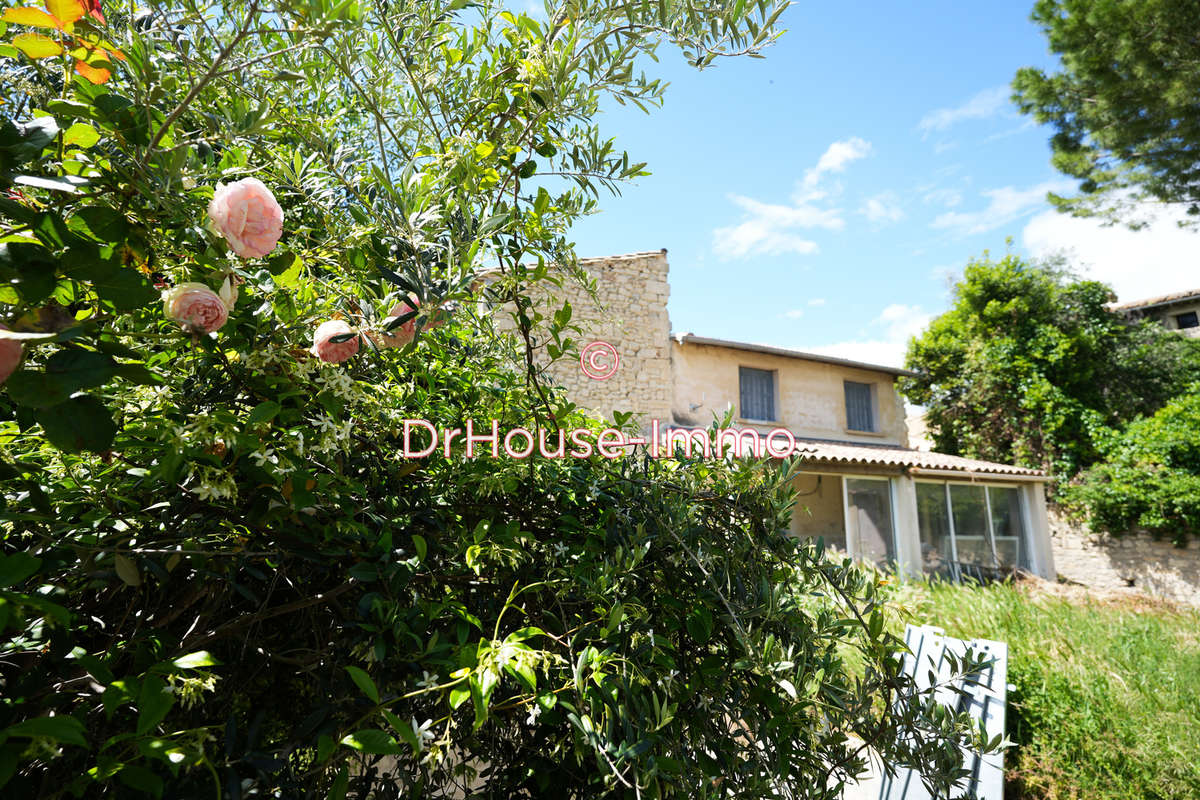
(219, 575)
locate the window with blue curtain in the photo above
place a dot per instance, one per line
(757, 393)
(860, 410)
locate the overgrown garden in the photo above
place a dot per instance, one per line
(241, 245)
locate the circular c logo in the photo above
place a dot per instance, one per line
(599, 360)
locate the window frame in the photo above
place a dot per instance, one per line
(774, 395)
(1194, 317)
(1026, 539)
(851, 544)
(872, 406)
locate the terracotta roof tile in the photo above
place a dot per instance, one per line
(1157, 301)
(894, 456)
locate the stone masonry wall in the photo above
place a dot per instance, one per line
(632, 317)
(1134, 562)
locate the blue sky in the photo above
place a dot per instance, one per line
(823, 198)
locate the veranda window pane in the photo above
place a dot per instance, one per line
(970, 525)
(870, 506)
(1008, 528)
(934, 523)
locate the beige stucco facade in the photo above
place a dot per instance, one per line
(809, 394)
(857, 488)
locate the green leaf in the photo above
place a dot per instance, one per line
(36, 269)
(70, 184)
(81, 369)
(263, 412)
(125, 288)
(17, 567)
(69, 108)
(34, 389)
(154, 701)
(282, 263)
(22, 143)
(81, 135)
(364, 682)
(700, 624)
(201, 658)
(373, 741)
(127, 571)
(141, 779)
(64, 729)
(458, 696)
(421, 547)
(101, 223)
(139, 374)
(340, 784)
(81, 423)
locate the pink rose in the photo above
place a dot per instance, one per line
(246, 214)
(196, 307)
(330, 351)
(403, 334)
(10, 355)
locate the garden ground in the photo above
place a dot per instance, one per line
(1106, 697)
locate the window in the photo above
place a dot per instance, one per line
(1188, 320)
(971, 529)
(933, 522)
(757, 393)
(860, 407)
(869, 518)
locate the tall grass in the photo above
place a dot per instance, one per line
(1106, 702)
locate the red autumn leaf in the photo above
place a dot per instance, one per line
(93, 74)
(94, 10)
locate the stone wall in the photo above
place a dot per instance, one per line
(632, 317)
(1134, 562)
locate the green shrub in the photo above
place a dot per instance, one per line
(1030, 366)
(1106, 703)
(1150, 476)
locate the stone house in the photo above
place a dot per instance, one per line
(1178, 312)
(861, 488)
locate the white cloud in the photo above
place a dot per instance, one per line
(987, 103)
(1027, 125)
(795, 313)
(1004, 206)
(884, 207)
(772, 229)
(835, 159)
(817, 301)
(768, 229)
(950, 198)
(888, 337)
(1159, 259)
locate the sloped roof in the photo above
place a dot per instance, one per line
(893, 456)
(691, 338)
(1162, 300)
